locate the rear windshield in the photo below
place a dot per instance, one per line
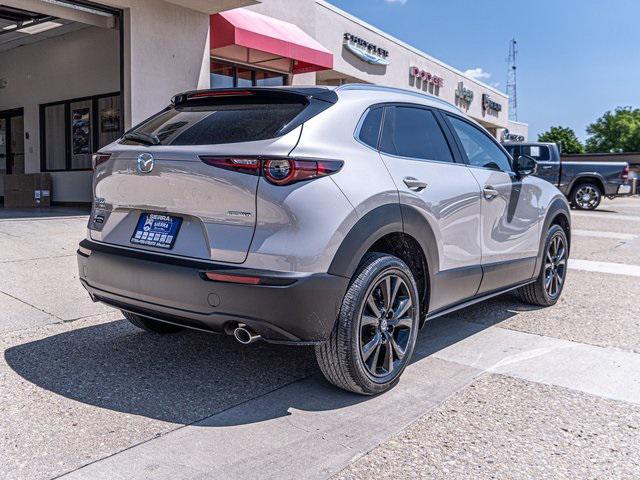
(225, 122)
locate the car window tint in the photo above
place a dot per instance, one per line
(414, 133)
(218, 124)
(481, 150)
(539, 152)
(370, 128)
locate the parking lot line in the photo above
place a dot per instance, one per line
(605, 267)
(599, 234)
(607, 216)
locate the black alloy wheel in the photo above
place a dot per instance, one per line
(385, 325)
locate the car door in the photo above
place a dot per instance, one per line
(510, 227)
(417, 153)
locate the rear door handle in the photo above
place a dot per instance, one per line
(414, 184)
(489, 192)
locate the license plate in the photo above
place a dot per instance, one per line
(156, 230)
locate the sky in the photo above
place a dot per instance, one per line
(576, 58)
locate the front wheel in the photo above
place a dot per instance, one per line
(546, 289)
(586, 196)
(375, 333)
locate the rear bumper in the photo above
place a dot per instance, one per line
(289, 308)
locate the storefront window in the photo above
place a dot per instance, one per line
(245, 77)
(55, 144)
(222, 75)
(74, 129)
(269, 79)
(226, 75)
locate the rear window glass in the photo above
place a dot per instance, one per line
(370, 128)
(539, 152)
(219, 123)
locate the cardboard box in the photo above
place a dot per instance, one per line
(27, 190)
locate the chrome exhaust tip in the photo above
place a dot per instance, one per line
(244, 335)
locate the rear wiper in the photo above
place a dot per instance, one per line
(141, 137)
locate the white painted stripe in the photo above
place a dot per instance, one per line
(599, 234)
(605, 267)
(606, 216)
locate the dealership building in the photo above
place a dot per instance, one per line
(75, 74)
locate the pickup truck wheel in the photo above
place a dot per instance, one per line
(375, 333)
(586, 196)
(149, 325)
(547, 288)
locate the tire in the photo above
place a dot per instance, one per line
(149, 325)
(539, 292)
(586, 196)
(362, 331)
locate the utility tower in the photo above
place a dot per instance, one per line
(512, 91)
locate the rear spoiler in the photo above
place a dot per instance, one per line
(309, 93)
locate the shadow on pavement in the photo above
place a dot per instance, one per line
(188, 376)
(50, 212)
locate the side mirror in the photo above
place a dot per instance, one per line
(525, 165)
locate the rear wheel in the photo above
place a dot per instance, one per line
(586, 196)
(151, 325)
(546, 290)
(375, 334)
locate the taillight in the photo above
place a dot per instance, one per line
(277, 170)
(238, 164)
(98, 158)
(625, 173)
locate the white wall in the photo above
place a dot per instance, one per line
(80, 63)
(166, 52)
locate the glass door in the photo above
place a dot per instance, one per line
(12, 141)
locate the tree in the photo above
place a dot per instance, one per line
(617, 131)
(564, 137)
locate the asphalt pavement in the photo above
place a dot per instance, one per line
(498, 390)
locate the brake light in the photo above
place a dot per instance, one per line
(219, 93)
(277, 170)
(624, 175)
(99, 158)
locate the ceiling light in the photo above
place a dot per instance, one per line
(40, 27)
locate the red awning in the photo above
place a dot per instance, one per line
(254, 31)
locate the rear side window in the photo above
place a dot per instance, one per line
(539, 152)
(414, 133)
(225, 122)
(370, 128)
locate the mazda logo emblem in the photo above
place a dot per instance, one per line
(145, 162)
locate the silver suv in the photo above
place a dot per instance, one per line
(343, 218)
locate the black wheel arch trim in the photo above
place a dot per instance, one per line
(588, 177)
(383, 220)
(557, 208)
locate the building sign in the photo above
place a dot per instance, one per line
(365, 51)
(427, 77)
(464, 95)
(490, 105)
(507, 136)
